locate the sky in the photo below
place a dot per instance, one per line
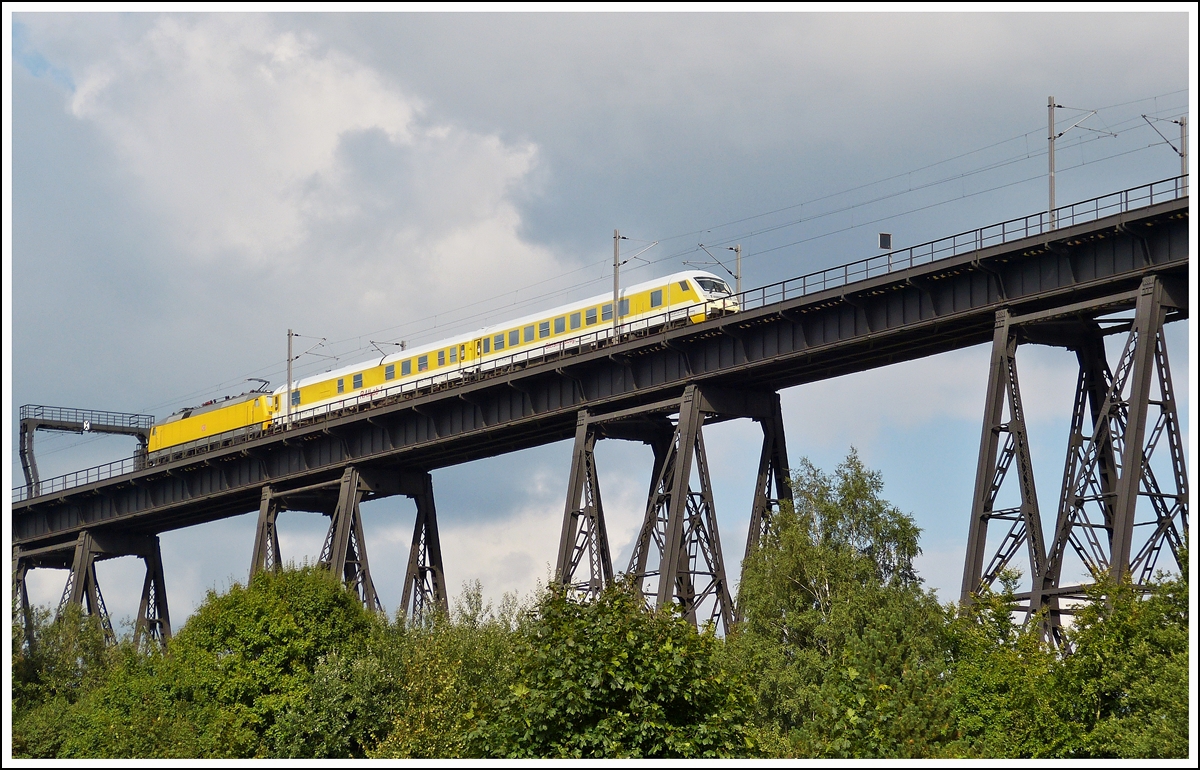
(186, 187)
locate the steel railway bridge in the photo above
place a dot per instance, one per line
(1020, 281)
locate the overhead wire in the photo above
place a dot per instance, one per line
(1034, 177)
(936, 204)
(957, 177)
(909, 172)
(991, 166)
(528, 300)
(861, 204)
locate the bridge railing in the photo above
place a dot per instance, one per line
(818, 281)
(80, 478)
(963, 243)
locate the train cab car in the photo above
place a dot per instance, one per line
(721, 299)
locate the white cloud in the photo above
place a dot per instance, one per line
(514, 553)
(915, 393)
(510, 555)
(276, 162)
(829, 412)
(226, 123)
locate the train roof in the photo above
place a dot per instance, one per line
(461, 338)
(215, 403)
(593, 300)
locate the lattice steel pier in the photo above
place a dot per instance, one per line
(1115, 512)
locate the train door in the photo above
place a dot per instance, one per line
(480, 348)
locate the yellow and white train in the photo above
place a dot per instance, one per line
(688, 297)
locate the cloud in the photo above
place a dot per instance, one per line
(279, 164)
(858, 406)
(229, 126)
(914, 393)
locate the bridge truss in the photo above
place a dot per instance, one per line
(1125, 446)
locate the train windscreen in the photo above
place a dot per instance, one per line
(713, 286)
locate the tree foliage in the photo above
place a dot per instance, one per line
(1004, 682)
(842, 653)
(611, 678)
(245, 658)
(848, 653)
(1122, 691)
(444, 673)
(66, 662)
(1127, 678)
(252, 653)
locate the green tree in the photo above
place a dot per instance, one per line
(847, 652)
(230, 685)
(135, 712)
(1119, 688)
(67, 660)
(610, 678)
(443, 673)
(1125, 684)
(253, 651)
(1004, 697)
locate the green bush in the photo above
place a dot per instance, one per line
(842, 653)
(610, 678)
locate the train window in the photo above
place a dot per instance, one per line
(713, 286)
(462, 352)
(656, 298)
(624, 310)
(357, 381)
(441, 358)
(514, 338)
(684, 285)
(528, 333)
(295, 398)
(453, 355)
(606, 312)
(590, 316)
(543, 329)
(576, 320)
(487, 344)
(499, 341)
(560, 324)
(422, 363)
(341, 386)
(389, 372)
(406, 368)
